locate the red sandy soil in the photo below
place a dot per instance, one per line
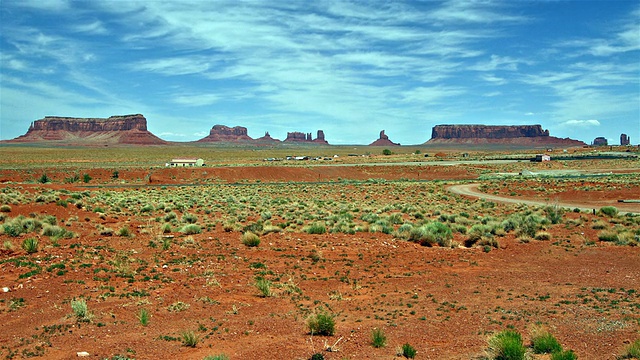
(445, 302)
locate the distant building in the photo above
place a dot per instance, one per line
(624, 140)
(600, 141)
(184, 162)
(542, 158)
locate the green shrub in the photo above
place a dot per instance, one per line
(124, 231)
(170, 216)
(632, 351)
(554, 214)
(432, 233)
(189, 218)
(564, 355)
(189, 338)
(216, 357)
(30, 245)
(610, 211)
(321, 324)
(81, 310)
(408, 351)
(317, 356)
(5, 208)
(250, 239)
(507, 345)
(143, 317)
(191, 229)
(607, 235)
(316, 229)
(264, 286)
(386, 152)
(44, 179)
(542, 235)
(86, 178)
(544, 342)
(378, 338)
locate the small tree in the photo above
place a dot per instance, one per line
(386, 152)
(86, 178)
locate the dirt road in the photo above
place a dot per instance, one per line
(471, 190)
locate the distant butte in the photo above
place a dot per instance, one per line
(383, 140)
(119, 129)
(222, 133)
(514, 135)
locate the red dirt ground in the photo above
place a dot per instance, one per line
(445, 302)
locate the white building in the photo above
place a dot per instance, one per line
(184, 162)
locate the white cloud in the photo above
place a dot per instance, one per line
(196, 100)
(580, 123)
(95, 28)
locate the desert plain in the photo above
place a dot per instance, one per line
(107, 251)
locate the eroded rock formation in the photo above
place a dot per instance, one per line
(624, 140)
(222, 133)
(383, 140)
(600, 141)
(515, 135)
(300, 137)
(267, 139)
(120, 129)
(486, 131)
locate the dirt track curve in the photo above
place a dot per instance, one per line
(471, 190)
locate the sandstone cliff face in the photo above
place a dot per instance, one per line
(125, 129)
(516, 136)
(486, 131)
(224, 133)
(383, 140)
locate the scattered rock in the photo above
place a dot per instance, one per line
(82, 354)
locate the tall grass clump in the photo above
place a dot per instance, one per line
(321, 324)
(554, 214)
(250, 239)
(564, 355)
(143, 316)
(610, 211)
(191, 229)
(264, 286)
(216, 357)
(189, 218)
(431, 234)
(316, 228)
(407, 351)
(506, 345)
(632, 351)
(189, 338)
(81, 310)
(124, 231)
(543, 342)
(378, 338)
(608, 235)
(30, 245)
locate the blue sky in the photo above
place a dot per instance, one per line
(351, 68)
